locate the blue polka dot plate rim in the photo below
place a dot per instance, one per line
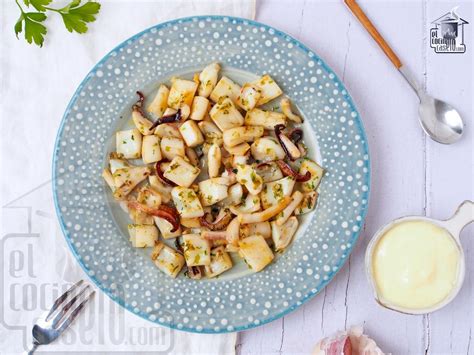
(94, 228)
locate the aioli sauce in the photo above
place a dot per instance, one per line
(415, 265)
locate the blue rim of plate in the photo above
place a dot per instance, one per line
(309, 294)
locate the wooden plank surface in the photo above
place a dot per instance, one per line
(449, 177)
(411, 174)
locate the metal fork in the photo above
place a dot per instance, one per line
(53, 323)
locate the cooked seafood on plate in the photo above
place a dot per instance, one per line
(212, 167)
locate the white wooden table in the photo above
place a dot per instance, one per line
(410, 173)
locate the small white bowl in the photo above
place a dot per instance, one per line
(454, 225)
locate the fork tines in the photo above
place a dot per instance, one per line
(69, 305)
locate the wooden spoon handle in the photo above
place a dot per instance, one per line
(369, 26)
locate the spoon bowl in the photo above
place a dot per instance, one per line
(440, 120)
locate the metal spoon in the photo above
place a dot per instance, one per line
(439, 120)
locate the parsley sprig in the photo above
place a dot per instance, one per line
(75, 17)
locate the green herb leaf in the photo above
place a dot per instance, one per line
(39, 5)
(36, 16)
(19, 25)
(74, 23)
(87, 11)
(34, 30)
(76, 18)
(72, 4)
